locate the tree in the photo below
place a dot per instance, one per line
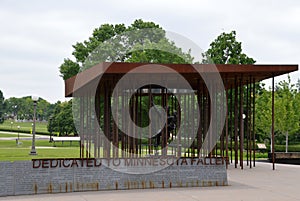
(12, 106)
(139, 42)
(225, 49)
(287, 109)
(22, 108)
(154, 53)
(263, 114)
(298, 85)
(62, 119)
(69, 68)
(144, 42)
(43, 109)
(295, 138)
(2, 106)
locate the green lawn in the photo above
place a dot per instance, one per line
(25, 144)
(10, 151)
(24, 126)
(15, 154)
(3, 135)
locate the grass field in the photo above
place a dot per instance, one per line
(24, 126)
(11, 151)
(2, 135)
(20, 153)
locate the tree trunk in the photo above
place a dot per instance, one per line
(286, 141)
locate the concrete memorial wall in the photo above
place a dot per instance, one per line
(71, 175)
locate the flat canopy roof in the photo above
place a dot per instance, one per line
(113, 71)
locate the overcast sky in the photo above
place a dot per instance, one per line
(37, 35)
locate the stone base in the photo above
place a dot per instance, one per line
(71, 175)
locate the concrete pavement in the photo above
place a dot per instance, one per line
(23, 136)
(259, 183)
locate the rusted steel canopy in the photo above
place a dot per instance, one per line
(228, 72)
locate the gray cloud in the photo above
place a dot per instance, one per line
(37, 35)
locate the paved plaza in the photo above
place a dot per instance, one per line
(259, 183)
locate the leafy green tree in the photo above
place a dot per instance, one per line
(225, 49)
(287, 112)
(154, 53)
(139, 42)
(43, 109)
(22, 108)
(69, 68)
(144, 42)
(295, 138)
(53, 125)
(263, 114)
(62, 119)
(12, 106)
(287, 109)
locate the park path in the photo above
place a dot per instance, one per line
(259, 183)
(23, 136)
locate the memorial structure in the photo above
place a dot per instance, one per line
(211, 113)
(152, 126)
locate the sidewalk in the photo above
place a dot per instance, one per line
(23, 136)
(259, 183)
